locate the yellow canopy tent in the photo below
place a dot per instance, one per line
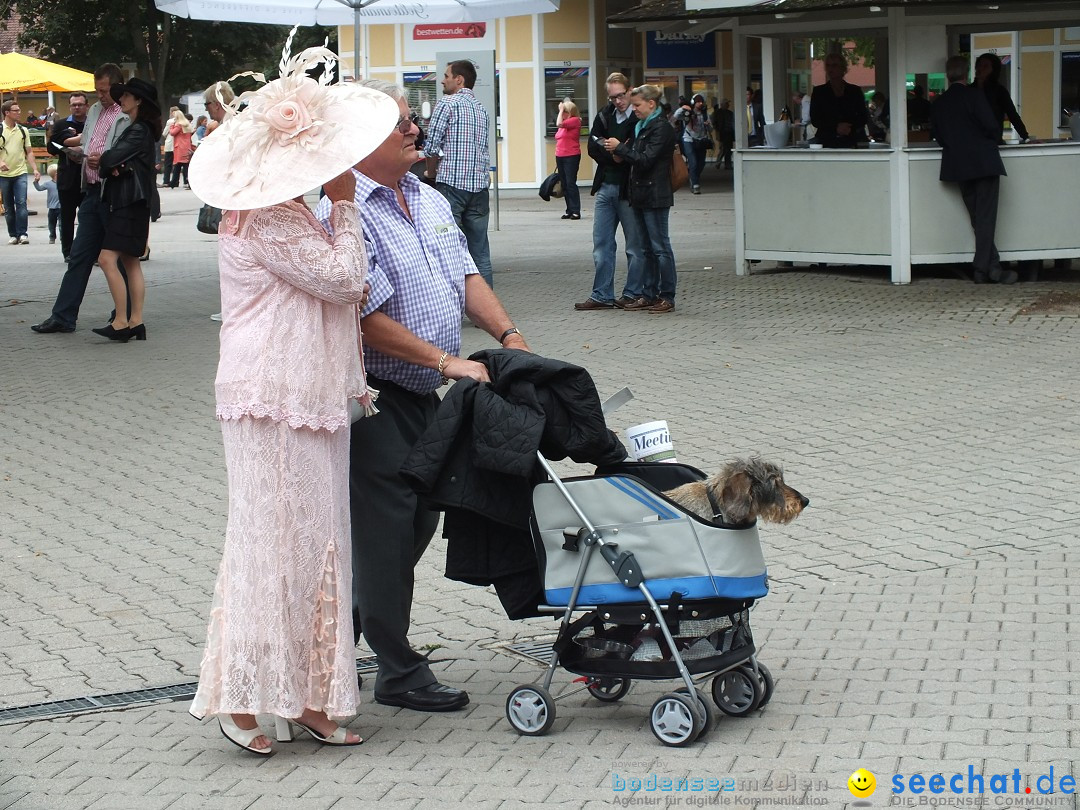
(25, 74)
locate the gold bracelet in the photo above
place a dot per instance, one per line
(442, 364)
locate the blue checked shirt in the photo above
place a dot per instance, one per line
(416, 270)
(459, 129)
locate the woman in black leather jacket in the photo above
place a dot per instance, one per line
(651, 197)
(129, 183)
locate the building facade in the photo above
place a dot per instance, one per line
(542, 59)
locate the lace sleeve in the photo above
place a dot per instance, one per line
(294, 247)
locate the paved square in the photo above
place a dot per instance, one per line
(921, 618)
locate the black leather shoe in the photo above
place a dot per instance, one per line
(432, 698)
(50, 325)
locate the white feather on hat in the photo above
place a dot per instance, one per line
(294, 134)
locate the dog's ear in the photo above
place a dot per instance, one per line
(735, 498)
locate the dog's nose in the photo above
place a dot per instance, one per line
(804, 501)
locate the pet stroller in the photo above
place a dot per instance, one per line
(668, 595)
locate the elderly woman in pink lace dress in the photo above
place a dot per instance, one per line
(280, 638)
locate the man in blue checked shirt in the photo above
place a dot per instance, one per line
(422, 280)
(458, 159)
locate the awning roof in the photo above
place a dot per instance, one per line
(25, 74)
(703, 15)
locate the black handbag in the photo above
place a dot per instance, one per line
(551, 187)
(209, 219)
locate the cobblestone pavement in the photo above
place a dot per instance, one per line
(921, 618)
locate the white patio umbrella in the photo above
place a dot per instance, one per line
(353, 12)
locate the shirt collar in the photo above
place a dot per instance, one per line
(621, 117)
(366, 187)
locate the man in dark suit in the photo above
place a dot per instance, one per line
(68, 171)
(965, 127)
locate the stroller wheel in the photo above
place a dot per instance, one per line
(608, 690)
(737, 692)
(707, 710)
(530, 710)
(765, 678)
(676, 719)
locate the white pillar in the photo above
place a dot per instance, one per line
(773, 74)
(899, 175)
(738, 105)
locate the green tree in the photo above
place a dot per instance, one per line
(178, 55)
(865, 49)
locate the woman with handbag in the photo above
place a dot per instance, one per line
(568, 156)
(696, 137)
(280, 636)
(651, 197)
(128, 188)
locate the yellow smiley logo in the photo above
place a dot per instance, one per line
(862, 783)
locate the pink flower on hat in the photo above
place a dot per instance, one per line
(291, 117)
(288, 119)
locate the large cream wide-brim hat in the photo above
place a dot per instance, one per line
(294, 135)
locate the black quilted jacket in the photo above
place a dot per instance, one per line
(480, 452)
(477, 461)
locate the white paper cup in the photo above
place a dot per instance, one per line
(651, 441)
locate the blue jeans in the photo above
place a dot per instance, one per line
(13, 190)
(471, 215)
(659, 257)
(695, 159)
(568, 170)
(611, 212)
(93, 215)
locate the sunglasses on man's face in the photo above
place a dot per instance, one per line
(405, 123)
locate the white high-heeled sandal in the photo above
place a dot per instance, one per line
(243, 737)
(283, 732)
(240, 737)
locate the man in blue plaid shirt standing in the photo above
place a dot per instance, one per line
(458, 159)
(422, 281)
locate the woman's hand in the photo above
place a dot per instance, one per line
(611, 144)
(342, 187)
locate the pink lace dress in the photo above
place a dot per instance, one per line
(280, 634)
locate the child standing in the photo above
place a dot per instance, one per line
(52, 198)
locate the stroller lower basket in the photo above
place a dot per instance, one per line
(638, 650)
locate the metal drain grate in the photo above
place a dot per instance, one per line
(537, 650)
(120, 700)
